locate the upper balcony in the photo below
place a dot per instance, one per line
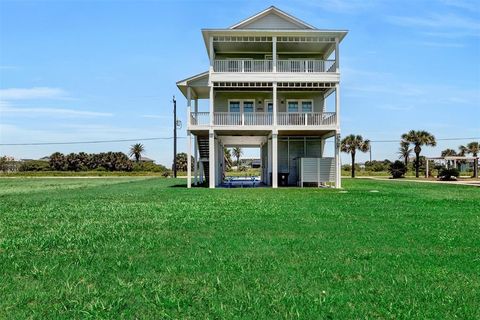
(266, 66)
(285, 120)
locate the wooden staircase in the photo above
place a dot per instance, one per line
(203, 150)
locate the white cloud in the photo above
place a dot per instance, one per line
(32, 93)
(449, 22)
(51, 112)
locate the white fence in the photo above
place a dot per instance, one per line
(316, 170)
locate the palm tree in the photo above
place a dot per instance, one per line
(419, 138)
(448, 153)
(237, 153)
(473, 148)
(136, 150)
(462, 151)
(352, 143)
(404, 151)
(227, 155)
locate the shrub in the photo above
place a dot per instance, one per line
(149, 167)
(448, 174)
(8, 164)
(34, 165)
(377, 166)
(397, 169)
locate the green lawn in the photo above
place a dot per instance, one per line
(149, 248)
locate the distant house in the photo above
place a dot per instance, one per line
(145, 159)
(273, 82)
(256, 163)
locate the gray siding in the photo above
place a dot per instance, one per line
(271, 21)
(221, 99)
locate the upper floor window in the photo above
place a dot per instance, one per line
(234, 106)
(269, 106)
(292, 106)
(300, 105)
(248, 106)
(241, 106)
(307, 106)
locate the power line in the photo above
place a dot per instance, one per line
(170, 138)
(86, 142)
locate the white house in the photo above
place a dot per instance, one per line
(273, 82)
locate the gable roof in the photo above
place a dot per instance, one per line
(272, 18)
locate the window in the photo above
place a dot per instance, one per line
(307, 106)
(292, 106)
(234, 106)
(248, 106)
(300, 105)
(270, 107)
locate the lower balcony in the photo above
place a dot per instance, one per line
(252, 119)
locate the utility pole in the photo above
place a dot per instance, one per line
(174, 137)
(370, 149)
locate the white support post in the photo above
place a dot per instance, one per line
(195, 149)
(338, 177)
(211, 54)
(189, 159)
(274, 160)
(211, 159)
(274, 53)
(189, 106)
(337, 55)
(211, 98)
(337, 104)
(426, 167)
(274, 101)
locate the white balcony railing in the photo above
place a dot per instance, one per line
(243, 66)
(200, 118)
(306, 118)
(264, 119)
(293, 65)
(242, 119)
(305, 66)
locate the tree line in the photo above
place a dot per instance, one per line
(412, 141)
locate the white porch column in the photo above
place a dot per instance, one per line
(211, 98)
(274, 53)
(189, 159)
(211, 159)
(195, 149)
(274, 98)
(274, 160)
(338, 173)
(337, 55)
(189, 105)
(426, 167)
(337, 104)
(211, 54)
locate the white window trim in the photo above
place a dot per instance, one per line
(299, 101)
(242, 101)
(266, 102)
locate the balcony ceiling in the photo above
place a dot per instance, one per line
(266, 47)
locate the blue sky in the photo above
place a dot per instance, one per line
(100, 70)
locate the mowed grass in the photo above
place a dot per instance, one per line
(151, 249)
